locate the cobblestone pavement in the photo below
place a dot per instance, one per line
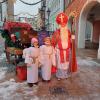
(83, 85)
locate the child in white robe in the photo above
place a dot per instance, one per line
(32, 61)
(47, 59)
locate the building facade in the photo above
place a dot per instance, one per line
(85, 15)
(39, 20)
(42, 13)
(3, 11)
(55, 6)
(6, 10)
(10, 10)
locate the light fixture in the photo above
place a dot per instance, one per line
(48, 11)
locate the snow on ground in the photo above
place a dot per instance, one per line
(8, 91)
(7, 88)
(2, 56)
(12, 90)
(2, 72)
(87, 61)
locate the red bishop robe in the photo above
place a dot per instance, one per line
(71, 44)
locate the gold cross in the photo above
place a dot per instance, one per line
(61, 17)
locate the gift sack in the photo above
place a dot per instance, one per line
(53, 69)
(21, 72)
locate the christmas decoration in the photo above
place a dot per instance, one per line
(10, 28)
(6, 36)
(30, 3)
(14, 1)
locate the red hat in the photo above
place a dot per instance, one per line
(62, 18)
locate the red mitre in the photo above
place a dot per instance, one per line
(62, 18)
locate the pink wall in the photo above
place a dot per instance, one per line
(96, 31)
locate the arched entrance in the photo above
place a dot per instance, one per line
(89, 21)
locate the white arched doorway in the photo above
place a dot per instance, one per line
(83, 21)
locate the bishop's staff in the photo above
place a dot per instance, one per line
(73, 67)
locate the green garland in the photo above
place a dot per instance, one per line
(31, 3)
(7, 38)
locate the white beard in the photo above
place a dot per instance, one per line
(64, 33)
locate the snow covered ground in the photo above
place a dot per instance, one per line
(85, 85)
(2, 56)
(12, 90)
(88, 61)
(2, 69)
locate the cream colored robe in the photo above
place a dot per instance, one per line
(32, 60)
(47, 59)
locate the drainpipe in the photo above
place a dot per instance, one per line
(1, 11)
(64, 5)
